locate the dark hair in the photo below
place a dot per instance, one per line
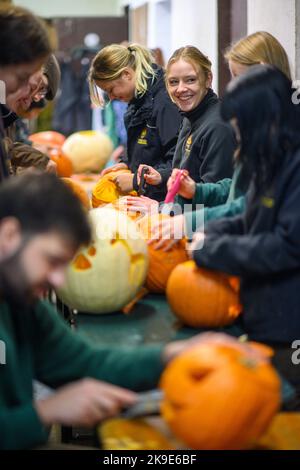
(268, 120)
(23, 36)
(43, 203)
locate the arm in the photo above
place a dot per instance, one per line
(219, 147)
(63, 356)
(25, 156)
(198, 219)
(209, 194)
(21, 428)
(264, 253)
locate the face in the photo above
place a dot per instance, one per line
(122, 89)
(237, 69)
(17, 76)
(187, 86)
(20, 101)
(34, 266)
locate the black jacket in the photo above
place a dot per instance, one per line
(263, 247)
(152, 123)
(206, 143)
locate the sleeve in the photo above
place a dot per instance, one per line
(25, 156)
(208, 194)
(196, 220)
(63, 356)
(21, 428)
(219, 150)
(264, 253)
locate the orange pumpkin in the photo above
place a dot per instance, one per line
(106, 190)
(79, 191)
(161, 263)
(218, 396)
(203, 298)
(50, 139)
(64, 164)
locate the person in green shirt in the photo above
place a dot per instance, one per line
(42, 224)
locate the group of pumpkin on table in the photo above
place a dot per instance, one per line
(216, 377)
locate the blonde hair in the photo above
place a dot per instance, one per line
(110, 63)
(192, 55)
(257, 48)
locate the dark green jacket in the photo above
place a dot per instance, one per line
(39, 345)
(222, 199)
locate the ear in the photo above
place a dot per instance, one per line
(128, 74)
(10, 236)
(209, 80)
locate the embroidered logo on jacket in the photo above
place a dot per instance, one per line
(142, 139)
(188, 145)
(267, 202)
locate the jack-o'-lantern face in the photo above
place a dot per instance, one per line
(108, 274)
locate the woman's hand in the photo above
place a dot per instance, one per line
(196, 244)
(142, 204)
(116, 167)
(153, 177)
(124, 182)
(168, 232)
(187, 186)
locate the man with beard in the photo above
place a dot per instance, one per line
(42, 224)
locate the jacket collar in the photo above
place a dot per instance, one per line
(8, 116)
(197, 112)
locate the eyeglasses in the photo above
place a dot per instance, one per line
(39, 95)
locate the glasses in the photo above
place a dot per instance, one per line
(39, 95)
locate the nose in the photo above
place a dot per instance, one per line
(57, 277)
(180, 87)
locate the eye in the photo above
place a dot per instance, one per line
(173, 82)
(191, 80)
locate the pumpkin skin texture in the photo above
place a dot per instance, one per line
(161, 263)
(64, 165)
(218, 397)
(203, 298)
(88, 150)
(79, 191)
(107, 275)
(50, 139)
(106, 190)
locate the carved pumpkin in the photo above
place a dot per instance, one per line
(161, 263)
(88, 150)
(79, 191)
(203, 298)
(217, 396)
(50, 139)
(106, 190)
(108, 274)
(64, 164)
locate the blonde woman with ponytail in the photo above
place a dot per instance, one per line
(152, 121)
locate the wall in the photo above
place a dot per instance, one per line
(65, 8)
(278, 17)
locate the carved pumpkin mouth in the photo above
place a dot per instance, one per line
(137, 260)
(81, 262)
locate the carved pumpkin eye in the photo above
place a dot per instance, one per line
(81, 263)
(92, 251)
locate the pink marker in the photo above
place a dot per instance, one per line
(174, 188)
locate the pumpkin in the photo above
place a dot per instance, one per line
(203, 298)
(79, 191)
(88, 150)
(50, 139)
(106, 190)
(64, 164)
(107, 275)
(161, 263)
(218, 396)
